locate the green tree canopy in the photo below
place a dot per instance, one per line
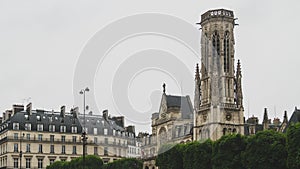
(227, 152)
(265, 150)
(293, 146)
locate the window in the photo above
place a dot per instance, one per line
(74, 150)
(40, 163)
(28, 136)
(52, 138)
(114, 141)
(74, 129)
(86, 130)
(63, 129)
(40, 127)
(38, 118)
(27, 126)
(16, 136)
(15, 126)
(74, 139)
(40, 148)
(40, 137)
(63, 139)
(51, 161)
(95, 150)
(95, 140)
(63, 149)
(51, 128)
(226, 52)
(28, 163)
(16, 149)
(105, 131)
(216, 44)
(16, 162)
(114, 132)
(28, 148)
(51, 148)
(95, 131)
(106, 140)
(105, 151)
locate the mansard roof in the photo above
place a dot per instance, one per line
(182, 102)
(42, 117)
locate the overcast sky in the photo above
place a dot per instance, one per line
(42, 41)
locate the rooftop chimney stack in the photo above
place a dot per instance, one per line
(29, 108)
(105, 114)
(62, 111)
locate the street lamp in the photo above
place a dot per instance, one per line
(84, 138)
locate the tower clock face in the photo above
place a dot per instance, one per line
(228, 116)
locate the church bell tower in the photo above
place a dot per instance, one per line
(218, 89)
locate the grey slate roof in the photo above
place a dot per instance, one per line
(182, 102)
(46, 118)
(295, 118)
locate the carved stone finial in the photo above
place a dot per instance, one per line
(164, 88)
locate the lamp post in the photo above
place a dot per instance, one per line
(84, 138)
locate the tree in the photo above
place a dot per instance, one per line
(126, 163)
(265, 150)
(92, 162)
(170, 157)
(293, 147)
(197, 155)
(227, 152)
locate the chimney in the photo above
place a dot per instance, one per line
(119, 121)
(62, 111)
(29, 108)
(17, 108)
(75, 112)
(130, 129)
(105, 114)
(276, 121)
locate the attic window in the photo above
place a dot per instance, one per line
(38, 118)
(44, 117)
(56, 118)
(15, 126)
(26, 116)
(98, 121)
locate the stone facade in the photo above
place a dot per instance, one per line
(42, 137)
(218, 90)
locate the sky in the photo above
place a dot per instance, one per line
(46, 47)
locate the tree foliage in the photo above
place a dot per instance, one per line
(266, 150)
(91, 162)
(227, 152)
(293, 146)
(126, 163)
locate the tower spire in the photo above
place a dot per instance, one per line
(164, 88)
(239, 92)
(265, 120)
(197, 96)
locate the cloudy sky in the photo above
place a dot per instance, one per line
(43, 46)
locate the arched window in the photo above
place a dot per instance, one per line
(162, 136)
(216, 44)
(200, 134)
(226, 52)
(234, 130)
(224, 131)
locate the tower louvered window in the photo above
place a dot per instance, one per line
(226, 52)
(216, 44)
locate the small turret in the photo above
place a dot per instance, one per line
(266, 120)
(197, 96)
(239, 92)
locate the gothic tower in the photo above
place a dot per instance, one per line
(218, 90)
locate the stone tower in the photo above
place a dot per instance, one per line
(218, 89)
